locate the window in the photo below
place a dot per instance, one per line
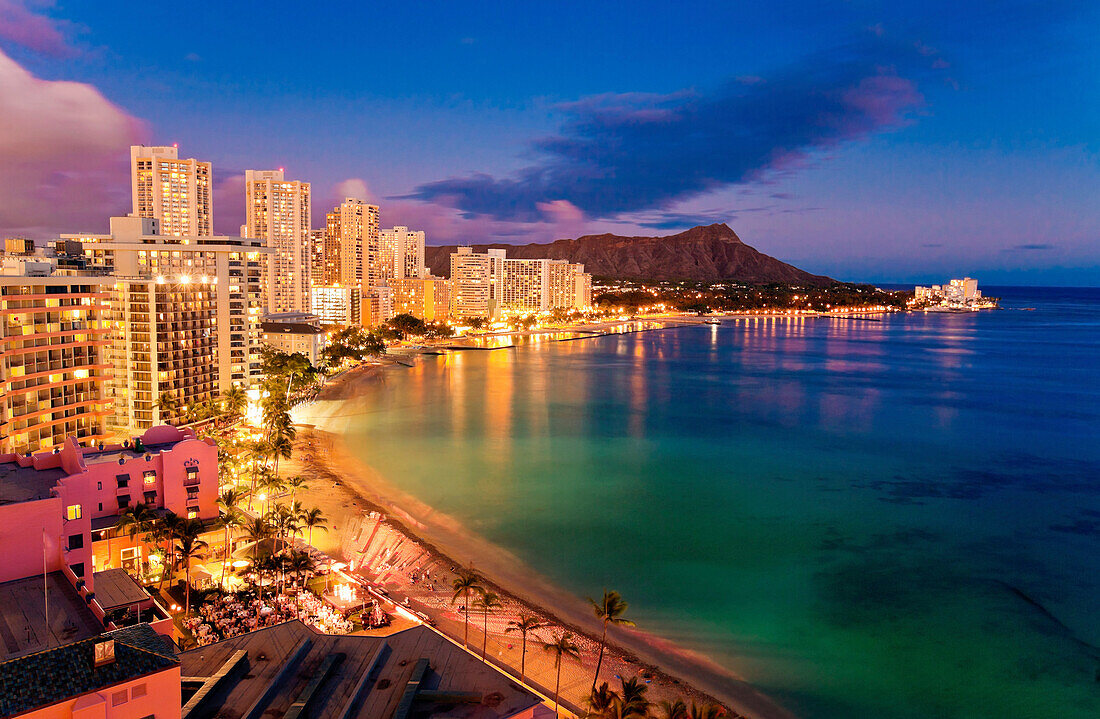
(99, 485)
(137, 691)
(150, 476)
(192, 512)
(72, 512)
(123, 501)
(123, 480)
(101, 506)
(76, 541)
(78, 569)
(150, 497)
(118, 698)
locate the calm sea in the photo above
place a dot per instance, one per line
(866, 519)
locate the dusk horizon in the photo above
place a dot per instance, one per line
(900, 144)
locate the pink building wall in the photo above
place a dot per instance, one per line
(157, 695)
(22, 527)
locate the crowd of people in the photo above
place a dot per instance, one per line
(229, 615)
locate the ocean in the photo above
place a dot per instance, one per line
(886, 519)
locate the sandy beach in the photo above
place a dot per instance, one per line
(412, 551)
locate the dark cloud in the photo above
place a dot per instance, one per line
(1036, 246)
(932, 244)
(622, 153)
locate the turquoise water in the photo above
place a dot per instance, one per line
(864, 519)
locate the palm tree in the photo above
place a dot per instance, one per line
(134, 519)
(235, 400)
(280, 446)
(165, 531)
(314, 518)
(525, 624)
(189, 547)
(167, 404)
(706, 711)
(634, 702)
(486, 602)
(609, 611)
(673, 709)
(561, 647)
(466, 582)
(604, 703)
(295, 483)
(257, 531)
(300, 564)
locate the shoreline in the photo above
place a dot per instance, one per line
(670, 670)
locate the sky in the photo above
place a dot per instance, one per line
(884, 142)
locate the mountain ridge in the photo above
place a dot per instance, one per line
(707, 253)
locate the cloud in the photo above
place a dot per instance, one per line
(19, 25)
(64, 155)
(621, 153)
(229, 201)
(1030, 247)
(353, 187)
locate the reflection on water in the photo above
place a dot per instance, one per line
(879, 519)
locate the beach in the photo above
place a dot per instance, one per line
(407, 539)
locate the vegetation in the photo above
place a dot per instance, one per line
(609, 610)
(354, 344)
(524, 625)
(466, 583)
(561, 648)
(702, 297)
(486, 602)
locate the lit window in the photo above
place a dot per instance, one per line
(72, 512)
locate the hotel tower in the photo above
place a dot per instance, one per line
(176, 193)
(278, 213)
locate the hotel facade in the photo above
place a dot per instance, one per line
(278, 213)
(178, 193)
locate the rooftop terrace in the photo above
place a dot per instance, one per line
(23, 625)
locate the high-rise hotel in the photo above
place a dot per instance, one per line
(54, 333)
(278, 213)
(185, 316)
(489, 284)
(351, 239)
(177, 193)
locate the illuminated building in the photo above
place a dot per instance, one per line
(474, 278)
(176, 192)
(428, 298)
(278, 213)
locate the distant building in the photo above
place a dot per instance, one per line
(294, 332)
(428, 298)
(317, 256)
(185, 315)
(377, 306)
(401, 254)
(351, 241)
(957, 293)
(474, 283)
(278, 213)
(337, 304)
(177, 193)
(53, 352)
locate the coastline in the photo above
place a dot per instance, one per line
(357, 489)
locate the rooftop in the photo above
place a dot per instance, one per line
(92, 456)
(26, 484)
(60, 673)
(23, 626)
(115, 588)
(413, 673)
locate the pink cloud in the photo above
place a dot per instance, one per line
(64, 161)
(229, 201)
(18, 24)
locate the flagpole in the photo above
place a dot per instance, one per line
(45, 586)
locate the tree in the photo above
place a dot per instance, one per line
(234, 401)
(706, 711)
(634, 702)
(189, 547)
(604, 703)
(165, 531)
(486, 602)
(525, 624)
(406, 324)
(134, 519)
(167, 404)
(280, 446)
(230, 517)
(465, 583)
(673, 709)
(300, 564)
(314, 518)
(295, 483)
(609, 610)
(561, 647)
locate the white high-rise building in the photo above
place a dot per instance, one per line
(401, 254)
(185, 316)
(177, 193)
(474, 283)
(278, 213)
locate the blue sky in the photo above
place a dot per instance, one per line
(870, 141)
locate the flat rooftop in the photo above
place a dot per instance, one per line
(367, 677)
(115, 588)
(93, 456)
(23, 625)
(26, 484)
